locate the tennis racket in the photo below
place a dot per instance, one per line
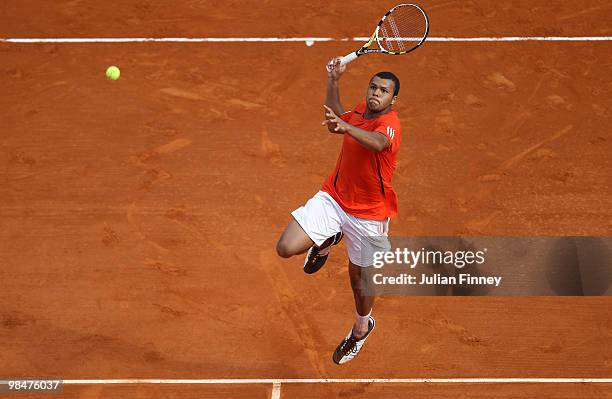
(401, 30)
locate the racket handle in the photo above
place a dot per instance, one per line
(345, 60)
(348, 58)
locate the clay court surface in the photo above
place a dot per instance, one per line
(139, 217)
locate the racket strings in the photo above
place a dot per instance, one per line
(403, 29)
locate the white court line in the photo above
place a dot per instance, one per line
(277, 382)
(295, 39)
(276, 390)
(280, 381)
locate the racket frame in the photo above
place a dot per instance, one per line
(374, 38)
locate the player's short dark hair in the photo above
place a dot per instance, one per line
(390, 76)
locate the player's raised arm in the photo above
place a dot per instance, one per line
(332, 98)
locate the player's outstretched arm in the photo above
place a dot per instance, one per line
(332, 97)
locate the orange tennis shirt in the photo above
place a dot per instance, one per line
(361, 180)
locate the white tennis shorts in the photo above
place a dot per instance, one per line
(322, 218)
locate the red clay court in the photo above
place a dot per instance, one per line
(139, 217)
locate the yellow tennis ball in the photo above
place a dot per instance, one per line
(113, 73)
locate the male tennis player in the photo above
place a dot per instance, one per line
(357, 199)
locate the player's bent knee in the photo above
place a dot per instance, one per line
(283, 250)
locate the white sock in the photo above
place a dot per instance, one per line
(361, 322)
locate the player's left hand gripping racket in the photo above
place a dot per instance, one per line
(401, 30)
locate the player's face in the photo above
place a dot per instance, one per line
(380, 94)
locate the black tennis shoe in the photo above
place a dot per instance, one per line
(316, 256)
